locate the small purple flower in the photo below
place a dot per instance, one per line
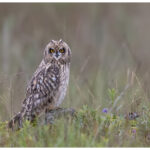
(105, 110)
(133, 131)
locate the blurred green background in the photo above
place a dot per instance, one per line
(108, 41)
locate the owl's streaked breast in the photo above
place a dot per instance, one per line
(64, 80)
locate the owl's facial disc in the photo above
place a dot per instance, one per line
(57, 50)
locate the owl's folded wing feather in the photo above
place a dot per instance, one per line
(41, 90)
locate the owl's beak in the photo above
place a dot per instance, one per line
(57, 55)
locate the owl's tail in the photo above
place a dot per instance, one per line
(15, 122)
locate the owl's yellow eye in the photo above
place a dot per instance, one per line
(62, 50)
(51, 50)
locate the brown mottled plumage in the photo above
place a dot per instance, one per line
(48, 86)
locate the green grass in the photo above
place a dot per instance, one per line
(90, 128)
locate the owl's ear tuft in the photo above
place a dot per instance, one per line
(60, 41)
(52, 41)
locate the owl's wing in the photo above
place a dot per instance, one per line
(39, 69)
(42, 88)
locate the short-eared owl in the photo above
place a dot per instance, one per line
(48, 86)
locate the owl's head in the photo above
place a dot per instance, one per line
(57, 51)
